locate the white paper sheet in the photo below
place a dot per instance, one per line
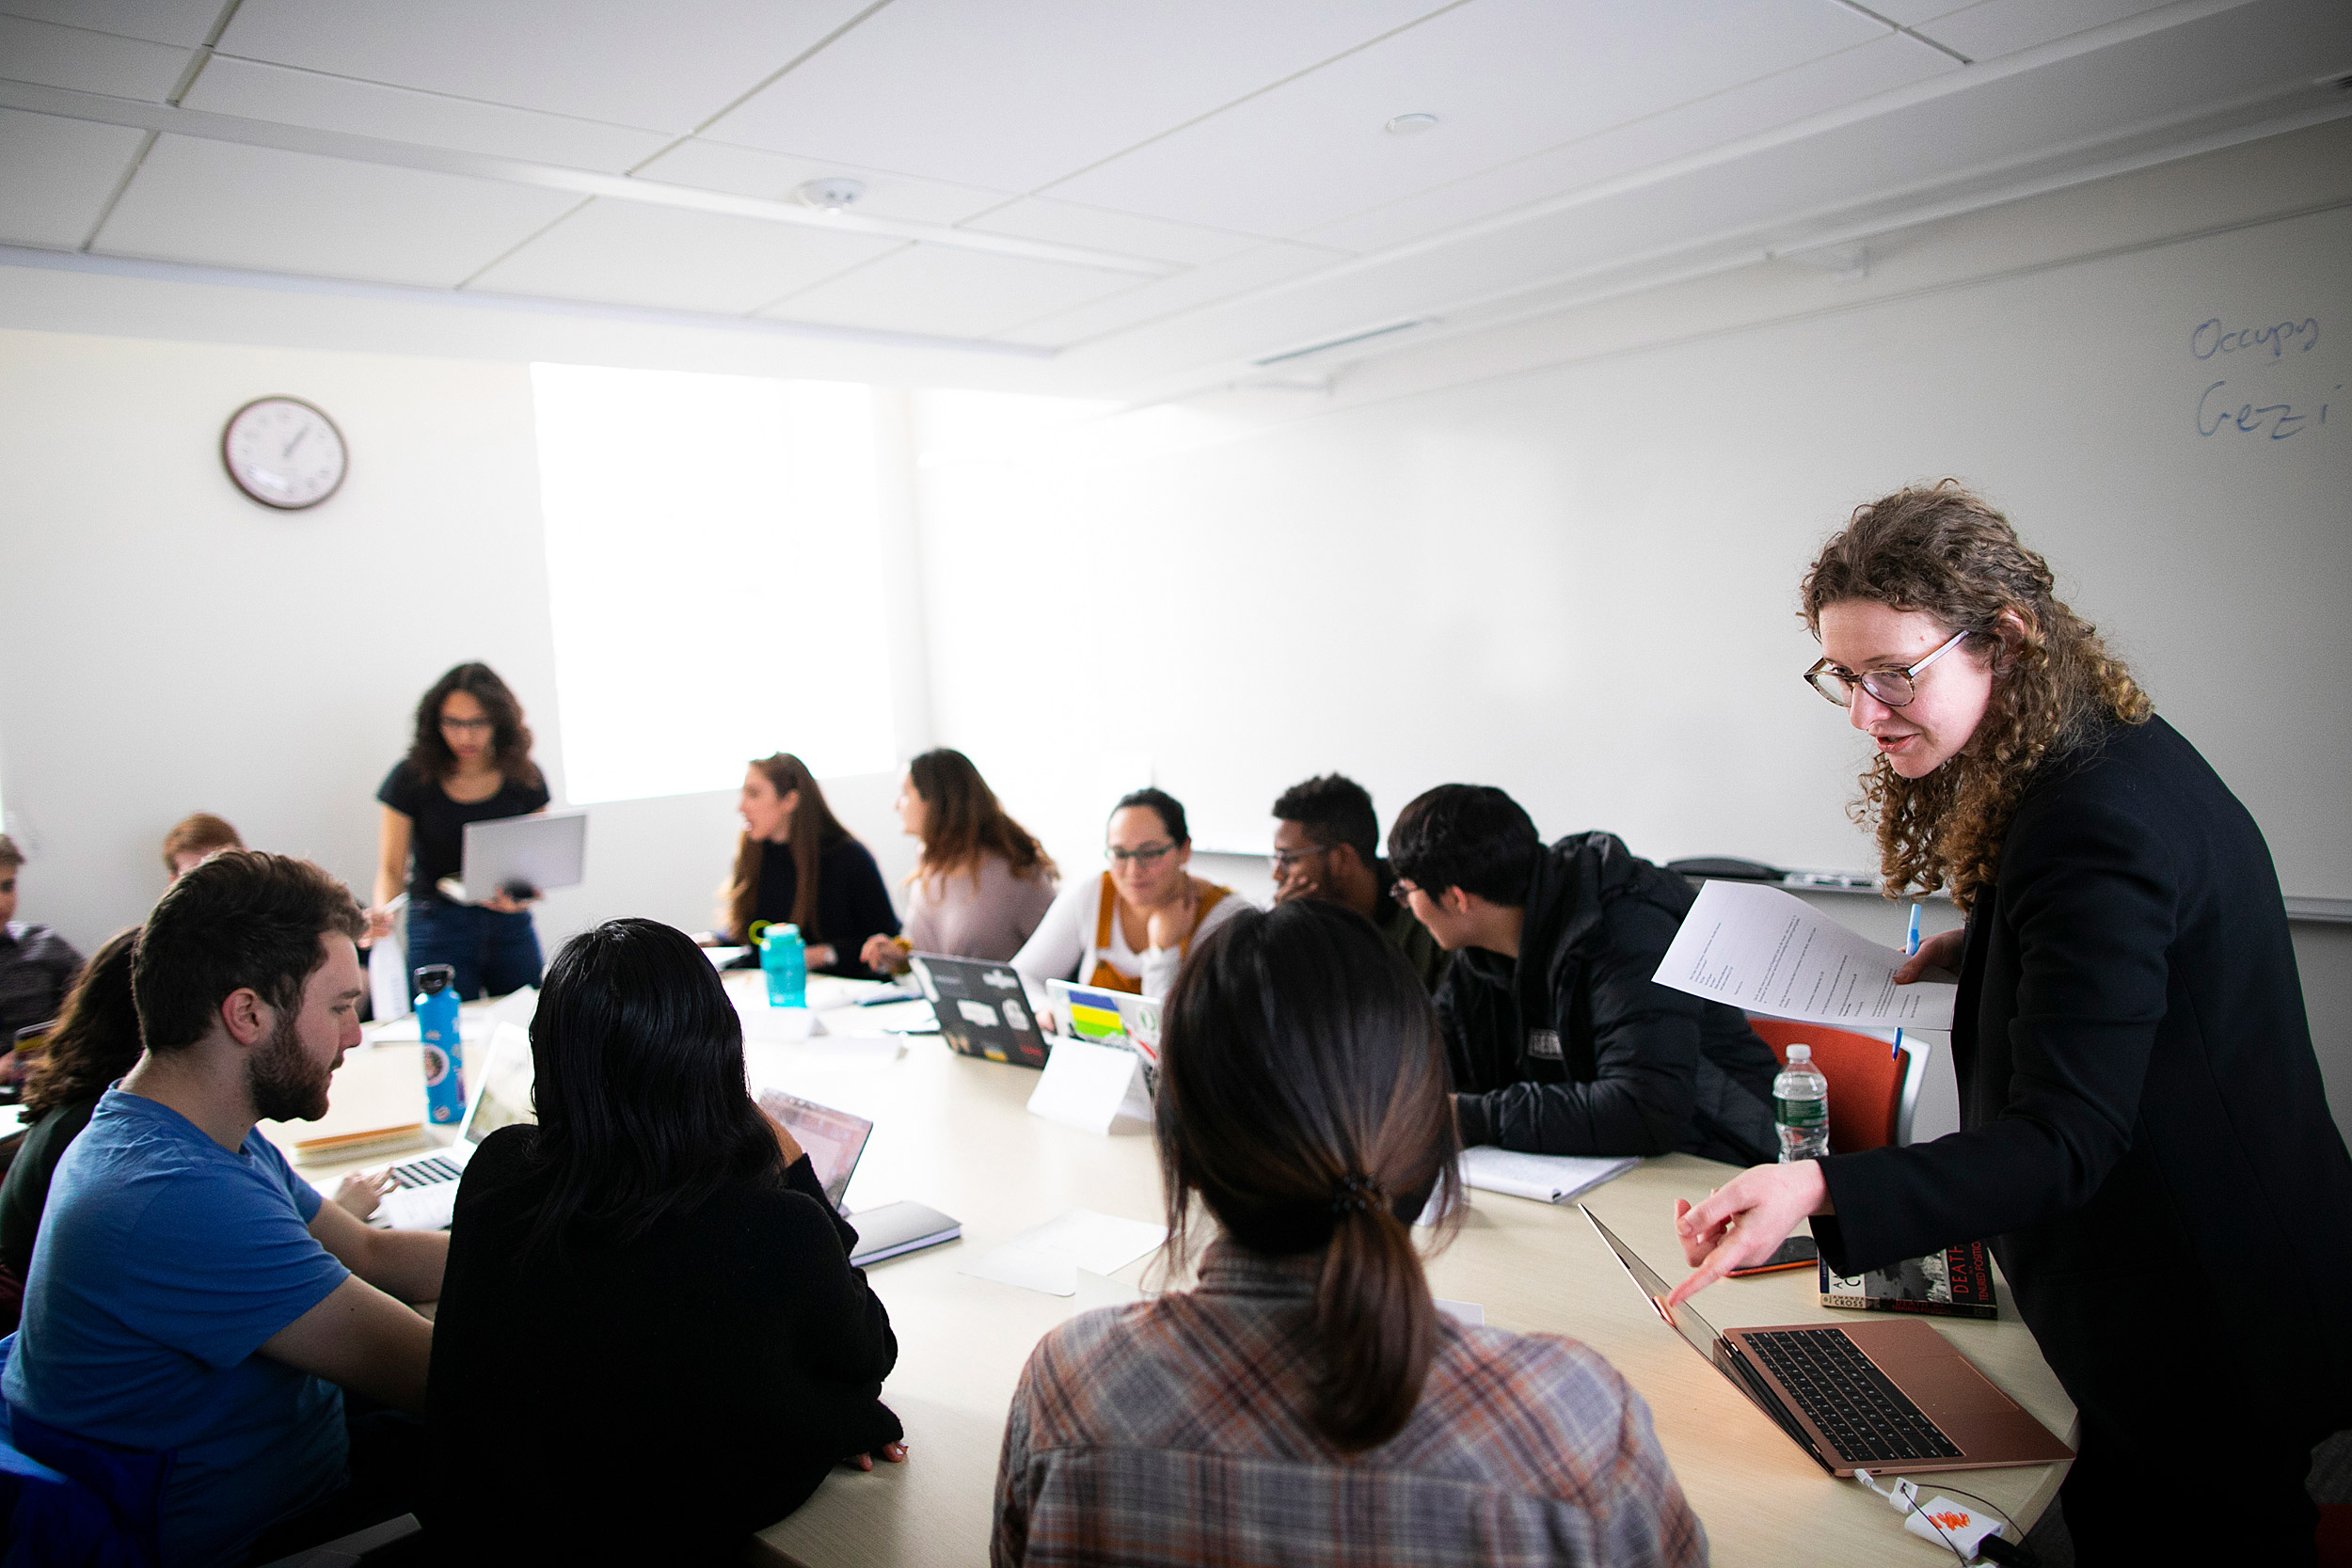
(1766, 950)
(1051, 1258)
(1545, 1178)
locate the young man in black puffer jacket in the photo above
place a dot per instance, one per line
(1560, 1041)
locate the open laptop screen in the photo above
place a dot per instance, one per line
(833, 1139)
(502, 1096)
(1683, 1319)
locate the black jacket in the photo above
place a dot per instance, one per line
(2143, 1130)
(654, 1400)
(1640, 1068)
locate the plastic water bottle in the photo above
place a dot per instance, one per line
(1801, 1107)
(783, 958)
(437, 1025)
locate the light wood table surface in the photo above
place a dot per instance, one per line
(955, 1132)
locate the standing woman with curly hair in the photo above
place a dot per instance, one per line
(469, 762)
(2144, 1135)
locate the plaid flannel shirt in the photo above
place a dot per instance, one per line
(37, 969)
(1177, 1431)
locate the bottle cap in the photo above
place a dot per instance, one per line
(1800, 1054)
(435, 977)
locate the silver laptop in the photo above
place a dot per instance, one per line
(1865, 1395)
(424, 1189)
(524, 856)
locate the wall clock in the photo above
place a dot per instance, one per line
(283, 453)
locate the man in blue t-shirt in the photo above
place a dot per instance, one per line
(189, 1294)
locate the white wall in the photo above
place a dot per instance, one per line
(168, 646)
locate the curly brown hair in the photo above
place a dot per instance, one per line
(429, 755)
(1948, 554)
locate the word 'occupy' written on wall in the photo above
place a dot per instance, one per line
(2266, 383)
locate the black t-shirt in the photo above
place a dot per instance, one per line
(437, 841)
(25, 1193)
(852, 902)
(655, 1397)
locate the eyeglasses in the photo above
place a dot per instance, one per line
(1147, 855)
(470, 723)
(1285, 859)
(1403, 891)
(1895, 687)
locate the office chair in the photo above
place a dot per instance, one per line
(1871, 1095)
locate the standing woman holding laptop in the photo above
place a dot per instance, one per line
(2145, 1137)
(469, 762)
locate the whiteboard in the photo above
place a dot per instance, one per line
(1580, 583)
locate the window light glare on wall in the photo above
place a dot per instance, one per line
(712, 570)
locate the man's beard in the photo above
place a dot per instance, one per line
(286, 1084)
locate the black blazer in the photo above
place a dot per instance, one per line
(658, 1399)
(2144, 1132)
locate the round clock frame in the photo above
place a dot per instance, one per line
(282, 502)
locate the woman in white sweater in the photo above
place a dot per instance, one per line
(1129, 928)
(982, 883)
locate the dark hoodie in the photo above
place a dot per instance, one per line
(1574, 1049)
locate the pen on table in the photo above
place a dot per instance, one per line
(1911, 944)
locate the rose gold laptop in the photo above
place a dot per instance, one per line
(1888, 1394)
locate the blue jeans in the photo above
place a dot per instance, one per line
(492, 953)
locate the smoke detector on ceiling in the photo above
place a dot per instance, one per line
(833, 194)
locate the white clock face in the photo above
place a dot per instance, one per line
(283, 453)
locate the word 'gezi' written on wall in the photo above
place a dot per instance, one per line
(2265, 381)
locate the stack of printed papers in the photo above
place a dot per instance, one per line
(1545, 1178)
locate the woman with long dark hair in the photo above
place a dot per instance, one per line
(1307, 1392)
(468, 761)
(796, 864)
(650, 1340)
(96, 1041)
(982, 883)
(2144, 1134)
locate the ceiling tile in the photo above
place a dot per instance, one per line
(1013, 94)
(220, 204)
(622, 253)
(1504, 77)
(667, 66)
(1832, 82)
(181, 21)
(1999, 27)
(744, 171)
(1122, 234)
(1187, 290)
(55, 176)
(86, 61)
(290, 97)
(949, 293)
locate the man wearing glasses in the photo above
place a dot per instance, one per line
(1326, 846)
(1560, 1041)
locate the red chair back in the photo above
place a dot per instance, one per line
(1866, 1080)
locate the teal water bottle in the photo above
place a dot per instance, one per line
(437, 1026)
(783, 958)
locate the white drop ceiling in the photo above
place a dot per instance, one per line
(1142, 193)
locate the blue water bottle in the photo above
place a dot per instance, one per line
(783, 958)
(437, 1025)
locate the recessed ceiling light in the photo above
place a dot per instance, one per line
(1412, 125)
(833, 194)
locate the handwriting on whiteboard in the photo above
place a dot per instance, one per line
(2269, 390)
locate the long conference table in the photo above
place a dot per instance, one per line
(955, 1132)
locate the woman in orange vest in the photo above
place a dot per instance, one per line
(1130, 929)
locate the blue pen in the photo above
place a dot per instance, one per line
(1911, 944)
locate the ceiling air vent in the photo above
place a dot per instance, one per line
(1339, 343)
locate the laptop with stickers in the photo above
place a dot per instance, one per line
(981, 1008)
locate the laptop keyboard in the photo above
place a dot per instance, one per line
(1866, 1418)
(425, 1173)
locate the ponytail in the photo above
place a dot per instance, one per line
(1303, 1098)
(1377, 1326)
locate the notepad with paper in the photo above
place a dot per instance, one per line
(1545, 1178)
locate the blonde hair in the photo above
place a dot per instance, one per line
(1946, 553)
